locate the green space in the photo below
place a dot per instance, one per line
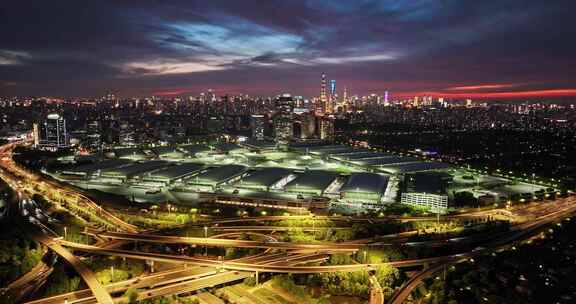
(62, 280)
(114, 269)
(539, 271)
(18, 254)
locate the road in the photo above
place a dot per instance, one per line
(29, 282)
(175, 281)
(87, 275)
(35, 183)
(161, 278)
(540, 215)
(563, 208)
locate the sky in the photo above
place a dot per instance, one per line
(453, 48)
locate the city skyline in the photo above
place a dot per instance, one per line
(491, 49)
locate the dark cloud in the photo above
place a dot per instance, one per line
(264, 47)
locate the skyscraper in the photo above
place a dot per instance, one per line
(323, 95)
(283, 125)
(326, 126)
(51, 134)
(258, 127)
(332, 87)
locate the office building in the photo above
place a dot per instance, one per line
(283, 124)
(51, 134)
(258, 123)
(323, 96)
(326, 128)
(435, 202)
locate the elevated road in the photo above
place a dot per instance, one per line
(100, 293)
(30, 282)
(160, 278)
(159, 239)
(175, 281)
(563, 208)
(55, 190)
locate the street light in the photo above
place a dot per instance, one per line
(206, 240)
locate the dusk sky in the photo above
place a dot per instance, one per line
(492, 48)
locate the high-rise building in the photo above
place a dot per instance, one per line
(258, 123)
(326, 126)
(126, 135)
(332, 87)
(283, 124)
(323, 95)
(307, 125)
(51, 134)
(93, 139)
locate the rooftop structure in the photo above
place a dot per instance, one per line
(314, 182)
(263, 178)
(385, 160)
(413, 167)
(91, 169)
(427, 182)
(229, 148)
(217, 175)
(318, 148)
(130, 153)
(167, 152)
(172, 174)
(365, 186)
(358, 155)
(194, 150)
(259, 145)
(340, 149)
(130, 171)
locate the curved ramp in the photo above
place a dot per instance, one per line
(102, 296)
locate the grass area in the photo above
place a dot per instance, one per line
(62, 280)
(271, 296)
(114, 269)
(159, 220)
(18, 255)
(303, 222)
(71, 227)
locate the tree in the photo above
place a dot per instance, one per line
(465, 198)
(132, 295)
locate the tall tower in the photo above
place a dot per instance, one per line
(258, 122)
(323, 96)
(332, 87)
(51, 134)
(283, 124)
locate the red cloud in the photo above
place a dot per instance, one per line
(482, 87)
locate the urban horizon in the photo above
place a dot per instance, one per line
(287, 152)
(481, 50)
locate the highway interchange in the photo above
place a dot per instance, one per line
(195, 273)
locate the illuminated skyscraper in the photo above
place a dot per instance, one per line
(386, 97)
(326, 126)
(332, 87)
(323, 95)
(283, 124)
(258, 122)
(51, 134)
